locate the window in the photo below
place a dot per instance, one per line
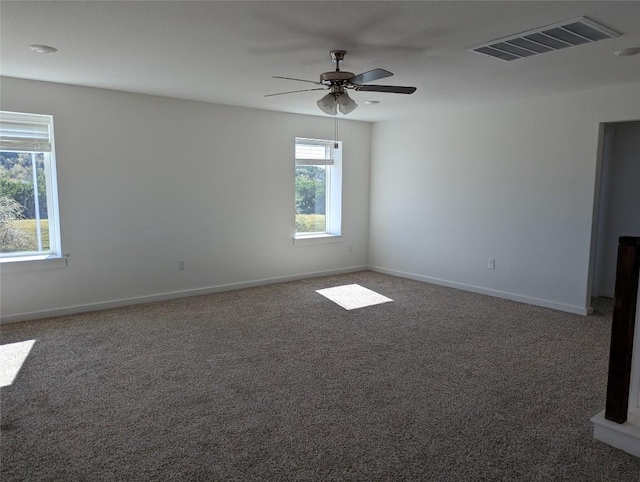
(29, 227)
(318, 188)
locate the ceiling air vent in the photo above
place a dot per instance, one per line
(545, 39)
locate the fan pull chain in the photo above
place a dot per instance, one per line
(335, 142)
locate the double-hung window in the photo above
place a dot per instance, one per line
(318, 188)
(29, 227)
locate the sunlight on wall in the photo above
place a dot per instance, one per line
(353, 296)
(12, 356)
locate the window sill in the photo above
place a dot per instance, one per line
(32, 263)
(315, 239)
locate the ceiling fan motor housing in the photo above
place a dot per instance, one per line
(333, 78)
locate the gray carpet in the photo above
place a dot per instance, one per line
(278, 383)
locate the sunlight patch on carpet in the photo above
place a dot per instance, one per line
(12, 356)
(353, 296)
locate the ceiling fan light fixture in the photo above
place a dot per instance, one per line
(328, 104)
(346, 104)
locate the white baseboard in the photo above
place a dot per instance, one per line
(70, 310)
(486, 291)
(625, 436)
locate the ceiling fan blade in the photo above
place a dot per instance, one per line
(299, 80)
(392, 89)
(370, 76)
(294, 91)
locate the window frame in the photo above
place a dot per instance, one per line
(333, 196)
(35, 143)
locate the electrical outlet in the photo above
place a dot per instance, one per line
(492, 264)
(181, 265)
(351, 248)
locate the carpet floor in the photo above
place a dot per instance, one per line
(278, 383)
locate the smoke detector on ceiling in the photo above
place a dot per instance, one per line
(545, 39)
(43, 49)
(628, 52)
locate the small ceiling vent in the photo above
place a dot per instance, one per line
(545, 39)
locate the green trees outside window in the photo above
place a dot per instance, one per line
(310, 184)
(18, 198)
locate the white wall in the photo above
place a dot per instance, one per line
(513, 182)
(144, 181)
(622, 213)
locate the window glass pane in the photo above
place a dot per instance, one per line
(311, 188)
(24, 224)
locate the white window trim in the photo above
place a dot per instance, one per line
(42, 141)
(333, 210)
(316, 239)
(18, 264)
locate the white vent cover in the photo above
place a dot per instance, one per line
(545, 39)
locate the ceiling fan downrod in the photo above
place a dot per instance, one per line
(337, 56)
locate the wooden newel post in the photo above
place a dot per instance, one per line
(622, 329)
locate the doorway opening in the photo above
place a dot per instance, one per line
(617, 202)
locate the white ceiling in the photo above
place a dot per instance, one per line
(227, 52)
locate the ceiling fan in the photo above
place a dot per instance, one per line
(338, 82)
